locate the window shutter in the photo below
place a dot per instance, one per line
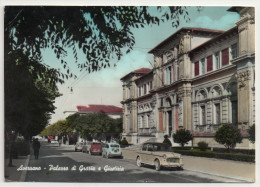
(225, 57)
(209, 63)
(196, 68)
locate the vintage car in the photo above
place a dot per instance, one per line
(111, 150)
(54, 141)
(158, 155)
(95, 148)
(78, 146)
(86, 147)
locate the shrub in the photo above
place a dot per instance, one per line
(167, 141)
(124, 142)
(251, 133)
(202, 145)
(227, 156)
(182, 136)
(228, 135)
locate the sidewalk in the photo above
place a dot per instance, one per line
(224, 168)
(11, 173)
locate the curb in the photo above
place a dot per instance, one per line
(240, 179)
(24, 172)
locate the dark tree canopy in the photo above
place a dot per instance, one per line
(251, 133)
(101, 33)
(28, 98)
(182, 136)
(228, 135)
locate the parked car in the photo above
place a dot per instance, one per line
(78, 146)
(86, 147)
(111, 150)
(158, 155)
(54, 141)
(95, 148)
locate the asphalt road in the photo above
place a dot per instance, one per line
(81, 167)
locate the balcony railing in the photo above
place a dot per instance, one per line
(146, 131)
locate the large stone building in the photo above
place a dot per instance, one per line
(202, 78)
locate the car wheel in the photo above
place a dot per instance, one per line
(157, 165)
(138, 162)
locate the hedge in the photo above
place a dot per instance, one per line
(227, 156)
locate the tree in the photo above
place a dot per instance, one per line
(28, 98)
(94, 123)
(251, 133)
(182, 136)
(228, 135)
(101, 33)
(167, 141)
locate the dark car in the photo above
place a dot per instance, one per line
(95, 148)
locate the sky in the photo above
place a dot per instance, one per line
(105, 87)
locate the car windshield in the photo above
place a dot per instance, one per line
(114, 145)
(156, 147)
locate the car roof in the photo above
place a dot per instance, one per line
(155, 143)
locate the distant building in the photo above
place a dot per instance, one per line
(111, 110)
(202, 78)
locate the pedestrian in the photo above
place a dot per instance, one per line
(36, 148)
(59, 142)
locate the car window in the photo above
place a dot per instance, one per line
(150, 147)
(113, 145)
(144, 148)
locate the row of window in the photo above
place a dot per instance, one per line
(145, 88)
(217, 113)
(144, 121)
(215, 61)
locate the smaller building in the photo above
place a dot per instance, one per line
(111, 110)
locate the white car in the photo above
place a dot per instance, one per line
(54, 141)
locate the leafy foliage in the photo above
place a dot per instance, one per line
(202, 145)
(101, 33)
(28, 98)
(251, 133)
(58, 128)
(182, 136)
(228, 135)
(86, 124)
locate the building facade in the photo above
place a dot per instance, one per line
(201, 78)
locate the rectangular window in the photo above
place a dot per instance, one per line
(144, 89)
(216, 61)
(139, 90)
(217, 113)
(196, 68)
(151, 85)
(169, 56)
(161, 102)
(169, 75)
(203, 115)
(209, 63)
(234, 112)
(233, 51)
(225, 57)
(202, 66)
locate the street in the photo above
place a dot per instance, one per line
(63, 164)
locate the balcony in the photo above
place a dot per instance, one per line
(146, 131)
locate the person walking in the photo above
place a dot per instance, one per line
(36, 148)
